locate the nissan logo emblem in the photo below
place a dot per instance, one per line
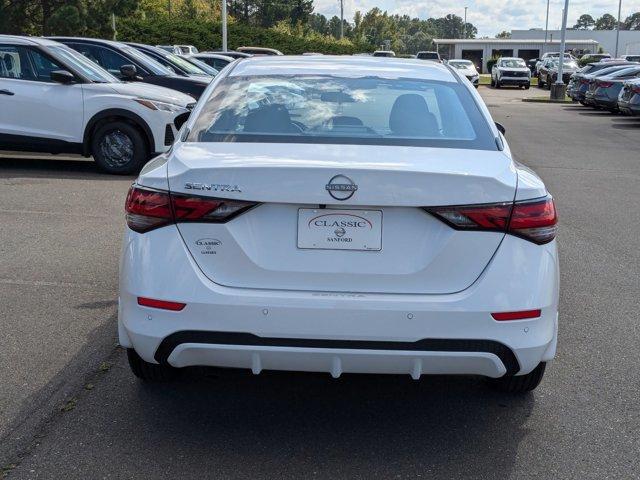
(341, 187)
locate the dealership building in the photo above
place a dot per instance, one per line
(628, 43)
(481, 50)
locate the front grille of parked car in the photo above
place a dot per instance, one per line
(168, 135)
(515, 74)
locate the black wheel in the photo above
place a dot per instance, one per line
(493, 84)
(497, 83)
(149, 372)
(540, 82)
(119, 147)
(583, 103)
(519, 383)
(526, 87)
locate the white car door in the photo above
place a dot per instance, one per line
(31, 104)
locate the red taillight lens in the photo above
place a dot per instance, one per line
(162, 304)
(604, 84)
(149, 209)
(635, 89)
(493, 217)
(203, 209)
(584, 81)
(534, 220)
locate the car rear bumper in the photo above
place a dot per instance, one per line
(338, 332)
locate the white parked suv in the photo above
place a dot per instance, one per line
(53, 99)
(340, 214)
(510, 71)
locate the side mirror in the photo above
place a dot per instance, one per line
(129, 72)
(501, 128)
(62, 76)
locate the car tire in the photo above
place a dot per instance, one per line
(497, 83)
(119, 148)
(540, 82)
(519, 384)
(493, 84)
(526, 87)
(150, 372)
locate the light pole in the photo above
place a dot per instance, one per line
(618, 27)
(464, 29)
(558, 88)
(341, 19)
(224, 25)
(546, 29)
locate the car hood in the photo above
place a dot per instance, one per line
(467, 71)
(152, 92)
(515, 69)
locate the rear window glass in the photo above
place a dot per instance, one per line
(330, 109)
(428, 56)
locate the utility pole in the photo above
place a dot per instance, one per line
(341, 19)
(464, 28)
(113, 26)
(546, 29)
(618, 27)
(224, 25)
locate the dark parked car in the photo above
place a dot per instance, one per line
(173, 62)
(548, 71)
(200, 64)
(128, 64)
(215, 60)
(603, 90)
(579, 83)
(629, 99)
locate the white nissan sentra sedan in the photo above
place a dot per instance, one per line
(340, 215)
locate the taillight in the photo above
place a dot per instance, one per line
(584, 81)
(533, 220)
(604, 84)
(635, 89)
(149, 209)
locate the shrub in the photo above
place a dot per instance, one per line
(490, 63)
(207, 35)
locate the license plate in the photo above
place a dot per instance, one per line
(327, 229)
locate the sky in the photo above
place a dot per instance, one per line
(489, 16)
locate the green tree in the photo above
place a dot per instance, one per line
(632, 22)
(584, 22)
(504, 34)
(606, 22)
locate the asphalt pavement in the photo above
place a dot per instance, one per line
(70, 408)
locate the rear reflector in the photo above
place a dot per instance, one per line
(149, 209)
(535, 220)
(521, 315)
(162, 304)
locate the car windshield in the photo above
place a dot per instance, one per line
(209, 70)
(89, 69)
(428, 56)
(189, 68)
(513, 63)
(460, 64)
(338, 110)
(148, 63)
(565, 64)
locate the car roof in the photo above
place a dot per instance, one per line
(213, 55)
(349, 66)
(24, 40)
(99, 41)
(510, 58)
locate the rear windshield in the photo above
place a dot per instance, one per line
(428, 56)
(336, 110)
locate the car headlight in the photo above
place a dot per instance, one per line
(156, 105)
